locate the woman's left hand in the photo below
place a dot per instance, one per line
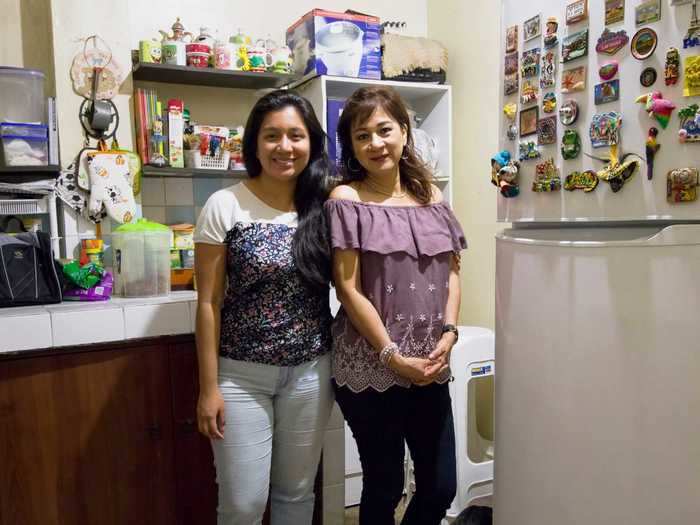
(441, 355)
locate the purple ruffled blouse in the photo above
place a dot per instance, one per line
(405, 254)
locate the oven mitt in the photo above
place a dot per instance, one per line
(72, 195)
(109, 185)
(81, 166)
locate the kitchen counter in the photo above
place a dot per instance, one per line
(73, 323)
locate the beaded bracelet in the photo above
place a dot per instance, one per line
(387, 352)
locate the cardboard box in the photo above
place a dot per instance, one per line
(334, 108)
(339, 44)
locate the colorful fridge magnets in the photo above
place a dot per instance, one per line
(547, 130)
(692, 37)
(532, 28)
(617, 173)
(549, 102)
(573, 80)
(690, 124)
(681, 185)
(575, 46)
(511, 84)
(504, 174)
(607, 92)
(528, 121)
(586, 181)
(673, 65)
(644, 43)
(548, 71)
(550, 36)
(647, 12)
(528, 150)
(691, 82)
(576, 12)
(510, 65)
(652, 146)
(614, 11)
(648, 77)
(546, 177)
(608, 70)
(610, 42)
(531, 63)
(570, 144)
(568, 112)
(510, 111)
(605, 129)
(529, 92)
(657, 107)
(512, 39)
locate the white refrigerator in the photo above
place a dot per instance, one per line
(597, 310)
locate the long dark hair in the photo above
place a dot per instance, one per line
(310, 246)
(415, 177)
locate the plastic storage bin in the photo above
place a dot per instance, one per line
(21, 129)
(141, 259)
(25, 151)
(23, 98)
(194, 159)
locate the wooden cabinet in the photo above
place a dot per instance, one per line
(85, 438)
(107, 436)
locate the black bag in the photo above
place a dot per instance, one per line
(28, 273)
(475, 516)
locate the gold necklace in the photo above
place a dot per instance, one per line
(382, 192)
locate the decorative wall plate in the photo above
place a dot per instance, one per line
(644, 43)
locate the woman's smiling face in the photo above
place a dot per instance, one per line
(284, 146)
(378, 142)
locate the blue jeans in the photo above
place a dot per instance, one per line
(276, 417)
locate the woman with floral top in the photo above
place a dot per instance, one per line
(396, 250)
(263, 319)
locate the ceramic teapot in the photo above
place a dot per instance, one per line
(178, 35)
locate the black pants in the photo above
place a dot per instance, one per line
(380, 422)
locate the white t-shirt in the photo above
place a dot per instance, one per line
(236, 204)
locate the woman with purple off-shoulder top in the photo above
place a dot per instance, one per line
(396, 247)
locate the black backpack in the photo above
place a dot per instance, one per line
(28, 273)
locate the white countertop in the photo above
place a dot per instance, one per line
(73, 323)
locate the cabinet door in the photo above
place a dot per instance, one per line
(85, 438)
(195, 475)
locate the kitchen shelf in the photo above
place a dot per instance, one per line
(192, 173)
(30, 169)
(211, 77)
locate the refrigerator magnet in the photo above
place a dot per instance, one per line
(570, 144)
(652, 146)
(550, 37)
(529, 92)
(548, 69)
(531, 63)
(681, 185)
(573, 80)
(549, 102)
(532, 28)
(672, 68)
(604, 130)
(690, 124)
(692, 37)
(610, 42)
(617, 173)
(644, 43)
(528, 150)
(575, 46)
(648, 77)
(614, 11)
(647, 12)
(657, 107)
(586, 181)
(512, 39)
(547, 177)
(576, 11)
(607, 92)
(568, 112)
(608, 70)
(547, 130)
(528, 121)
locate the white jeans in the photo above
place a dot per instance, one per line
(275, 421)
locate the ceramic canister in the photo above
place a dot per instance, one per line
(225, 55)
(198, 54)
(174, 52)
(150, 51)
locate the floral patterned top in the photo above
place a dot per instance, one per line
(269, 315)
(405, 254)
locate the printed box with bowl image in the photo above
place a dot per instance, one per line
(338, 44)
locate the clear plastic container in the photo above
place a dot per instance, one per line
(25, 151)
(23, 98)
(20, 129)
(141, 259)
